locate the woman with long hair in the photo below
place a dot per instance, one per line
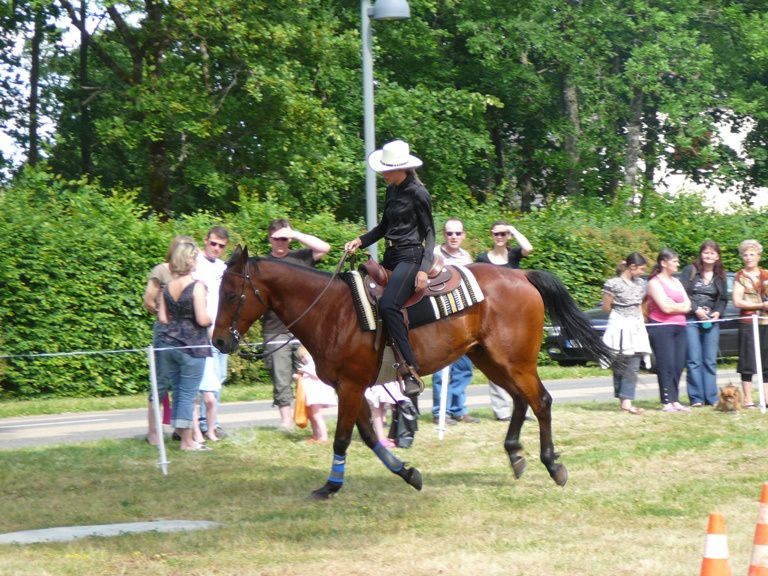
(408, 230)
(707, 288)
(668, 303)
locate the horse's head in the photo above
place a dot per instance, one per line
(240, 302)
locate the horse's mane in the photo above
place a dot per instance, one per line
(300, 267)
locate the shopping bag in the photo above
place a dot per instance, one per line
(300, 405)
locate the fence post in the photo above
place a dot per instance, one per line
(445, 373)
(163, 462)
(758, 361)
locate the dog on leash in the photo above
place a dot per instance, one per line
(730, 399)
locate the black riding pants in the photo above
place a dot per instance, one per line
(404, 264)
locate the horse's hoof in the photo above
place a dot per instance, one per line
(559, 474)
(325, 491)
(518, 466)
(412, 476)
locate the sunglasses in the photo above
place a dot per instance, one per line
(280, 239)
(217, 244)
(453, 233)
(499, 234)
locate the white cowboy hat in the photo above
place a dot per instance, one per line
(394, 155)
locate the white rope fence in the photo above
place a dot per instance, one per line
(163, 461)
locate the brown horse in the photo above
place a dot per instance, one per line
(501, 335)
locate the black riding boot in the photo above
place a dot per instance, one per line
(411, 384)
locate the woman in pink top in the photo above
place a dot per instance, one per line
(668, 304)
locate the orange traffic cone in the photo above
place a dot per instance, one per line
(715, 562)
(758, 565)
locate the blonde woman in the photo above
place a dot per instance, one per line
(159, 276)
(184, 318)
(750, 296)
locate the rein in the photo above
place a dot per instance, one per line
(261, 348)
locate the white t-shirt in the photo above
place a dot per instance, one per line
(462, 257)
(210, 274)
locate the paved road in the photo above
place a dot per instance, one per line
(83, 426)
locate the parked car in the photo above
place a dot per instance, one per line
(568, 353)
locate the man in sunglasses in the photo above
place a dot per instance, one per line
(284, 361)
(461, 370)
(210, 270)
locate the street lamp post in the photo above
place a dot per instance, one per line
(381, 10)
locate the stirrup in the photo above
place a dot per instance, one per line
(411, 385)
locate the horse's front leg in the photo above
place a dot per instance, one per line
(350, 401)
(411, 475)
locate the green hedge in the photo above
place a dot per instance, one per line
(76, 258)
(72, 274)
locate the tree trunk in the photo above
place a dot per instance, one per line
(572, 135)
(158, 171)
(650, 154)
(33, 154)
(85, 116)
(634, 129)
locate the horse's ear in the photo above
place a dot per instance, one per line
(237, 256)
(245, 253)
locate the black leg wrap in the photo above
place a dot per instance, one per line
(411, 475)
(325, 491)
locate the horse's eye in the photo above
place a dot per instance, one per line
(230, 296)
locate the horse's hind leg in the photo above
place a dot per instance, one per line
(512, 443)
(411, 475)
(540, 401)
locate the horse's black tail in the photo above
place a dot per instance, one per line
(564, 312)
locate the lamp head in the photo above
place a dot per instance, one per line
(391, 10)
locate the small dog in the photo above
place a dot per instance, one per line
(730, 399)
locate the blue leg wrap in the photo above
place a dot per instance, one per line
(337, 470)
(392, 463)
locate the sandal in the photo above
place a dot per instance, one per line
(633, 410)
(198, 448)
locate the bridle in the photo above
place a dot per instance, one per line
(248, 282)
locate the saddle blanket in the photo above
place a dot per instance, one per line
(426, 310)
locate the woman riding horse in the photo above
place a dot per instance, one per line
(409, 234)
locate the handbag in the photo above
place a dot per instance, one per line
(405, 423)
(300, 405)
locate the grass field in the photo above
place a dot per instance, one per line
(637, 502)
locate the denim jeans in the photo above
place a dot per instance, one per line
(460, 377)
(701, 378)
(625, 381)
(182, 373)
